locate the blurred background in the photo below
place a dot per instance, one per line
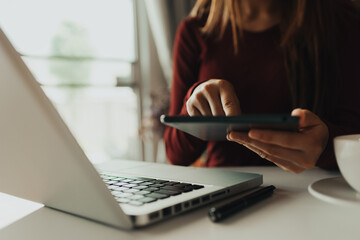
(106, 66)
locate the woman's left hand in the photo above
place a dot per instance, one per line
(291, 151)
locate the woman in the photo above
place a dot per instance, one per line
(268, 56)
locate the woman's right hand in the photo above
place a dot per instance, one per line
(215, 97)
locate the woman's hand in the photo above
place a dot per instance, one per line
(215, 97)
(293, 152)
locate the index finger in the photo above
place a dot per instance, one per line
(229, 100)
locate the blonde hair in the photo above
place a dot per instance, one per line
(220, 12)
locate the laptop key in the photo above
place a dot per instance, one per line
(136, 197)
(176, 188)
(186, 187)
(140, 187)
(158, 185)
(171, 183)
(183, 185)
(146, 183)
(121, 189)
(130, 185)
(168, 192)
(132, 190)
(197, 187)
(122, 195)
(119, 184)
(157, 195)
(137, 182)
(116, 193)
(147, 200)
(110, 182)
(128, 180)
(159, 181)
(142, 192)
(151, 189)
(113, 187)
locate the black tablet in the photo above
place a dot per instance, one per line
(217, 127)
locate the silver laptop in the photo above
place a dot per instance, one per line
(41, 161)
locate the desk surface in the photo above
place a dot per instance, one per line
(291, 213)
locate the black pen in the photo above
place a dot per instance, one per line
(219, 213)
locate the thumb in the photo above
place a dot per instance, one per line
(307, 118)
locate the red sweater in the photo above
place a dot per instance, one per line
(259, 76)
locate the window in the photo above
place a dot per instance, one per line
(83, 53)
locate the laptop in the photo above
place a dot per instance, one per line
(42, 162)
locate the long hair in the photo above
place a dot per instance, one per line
(309, 31)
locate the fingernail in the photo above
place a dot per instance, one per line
(228, 137)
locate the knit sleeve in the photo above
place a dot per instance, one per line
(182, 148)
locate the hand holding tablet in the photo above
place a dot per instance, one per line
(293, 142)
(214, 111)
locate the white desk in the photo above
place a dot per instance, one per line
(292, 213)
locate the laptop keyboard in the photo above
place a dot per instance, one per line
(138, 191)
